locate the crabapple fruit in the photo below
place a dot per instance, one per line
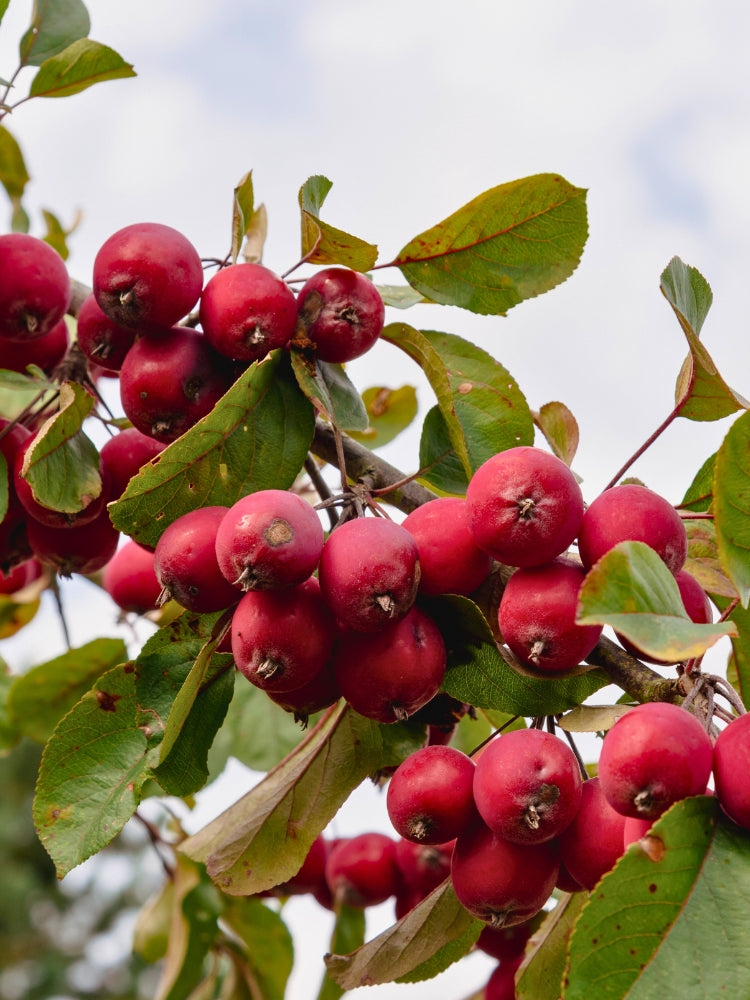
(125, 454)
(281, 639)
(246, 311)
(78, 548)
(34, 287)
(500, 882)
(186, 566)
(423, 867)
(524, 506)
(130, 578)
(504, 943)
(320, 692)
(527, 785)
(390, 674)
(502, 982)
(361, 871)
(654, 755)
(592, 843)
(731, 766)
(369, 572)
(269, 539)
(430, 798)
(537, 615)
(341, 314)
(46, 352)
(632, 513)
(450, 560)
(167, 385)
(91, 507)
(147, 275)
(20, 576)
(104, 342)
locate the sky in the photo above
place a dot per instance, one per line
(412, 109)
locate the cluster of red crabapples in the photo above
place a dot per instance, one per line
(136, 326)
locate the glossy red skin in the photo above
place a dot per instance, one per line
(502, 982)
(104, 342)
(125, 454)
(269, 540)
(365, 559)
(450, 560)
(20, 576)
(361, 871)
(130, 578)
(731, 766)
(522, 768)
(697, 606)
(344, 313)
(291, 628)
(47, 515)
(34, 287)
(159, 270)
(45, 352)
(632, 513)
(168, 385)
(504, 943)
(657, 750)
(538, 606)
(495, 500)
(635, 828)
(422, 867)
(390, 674)
(185, 562)
(430, 796)
(246, 311)
(319, 693)
(591, 845)
(80, 549)
(500, 882)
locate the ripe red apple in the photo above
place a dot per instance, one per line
(34, 287)
(430, 796)
(450, 560)
(361, 870)
(731, 767)
(130, 578)
(46, 352)
(341, 314)
(104, 342)
(186, 566)
(593, 842)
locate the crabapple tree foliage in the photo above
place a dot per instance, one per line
(293, 589)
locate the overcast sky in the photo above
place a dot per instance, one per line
(412, 109)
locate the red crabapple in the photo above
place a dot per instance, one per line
(450, 560)
(104, 342)
(502, 982)
(341, 313)
(537, 615)
(430, 798)
(246, 311)
(34, 287)
(147, 275)
(130, 578)
(632, 513)
(593, 842)
(281, 639)
(320, 692)
(269, 539)
(731, 766)
(361, 871)
(500, 882)
(186, 566)
(390, 674)
(504, 943)
(654, 755)
(527, 785)
(125, 454)
(20, 576)
(46, 352)
(83, 548)
(524, 506)
(168, 384)
(369, 572)
(423, 867)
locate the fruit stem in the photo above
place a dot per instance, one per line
(646, 444)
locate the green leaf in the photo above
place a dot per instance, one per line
(740, 658)
(242, 213)
(321, 243)
(699, 494)
(389, 411)
(509, 244)
(675, 926)
(542, 971)
(416, 942)
(701, 393)
(16, 614)
(13, 173)
(41, 697)
(591, 718)
(78, 67)
(256, 437)
(3, 7)
(62, 466)
(55, 24)
(268, 950)
(331, 391)
(401, 296)
(348, 935)
(632, 590)
(262, 839)
(560, 430)
(731, 505)
(92, 772)
(703, 558)
(478, 674)
(56, 234)
(441, 468)
(151, 931)
(255, 731)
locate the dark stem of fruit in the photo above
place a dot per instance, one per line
(644, 802)
(386, 604)
(531, 816)
(127, 297)
(577, 752)
(321, 486)
(269, 668)
(164, 595)
(498, 919)
(399, 712)
(646, 444)
(247, 580)
(525, 508)
(536, 651)
(419, 828)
